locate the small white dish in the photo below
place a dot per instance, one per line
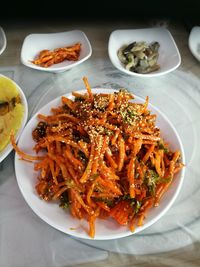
(3, 41)
(52, 214)
(34, 43)
(194, 42)
(8, 148)
(169, 57)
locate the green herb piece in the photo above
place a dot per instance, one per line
(94, 176)
(126, 197)
(82, 157)
(70, 183)
(138, 205)
(151, 180)
(128, 114)
(64, 201)
(161, 146)
(64, 205)
(132, 113)
(134, 203)
(166, 180)
(108, 132)
(124, 90)
(108, 202)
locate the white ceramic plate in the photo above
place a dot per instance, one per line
(52, 214)
(3, 40)
(9, 147)
(169, 56)
(194, 42)
(34, 43)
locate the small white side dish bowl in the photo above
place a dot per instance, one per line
(3, 40)
(34, 43)
(194, 42)
(169, 57)
(4, 153)
(62, 220)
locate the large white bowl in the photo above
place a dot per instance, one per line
(9, 147)
(34, 43)
(169, 57)
(52, 214)
(194, 42)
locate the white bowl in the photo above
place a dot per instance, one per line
(3, 41)
(34, 43)
(8, 148)
(52, 214)
(169, 56)
(194, 42)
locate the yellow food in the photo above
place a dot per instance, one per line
(11, 110)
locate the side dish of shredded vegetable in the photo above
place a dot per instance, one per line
(103, 156)
(47, 58)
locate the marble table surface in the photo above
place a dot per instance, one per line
(25, 240)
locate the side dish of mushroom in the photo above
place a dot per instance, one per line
(140, 57)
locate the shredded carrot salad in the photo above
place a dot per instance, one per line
(104, 157)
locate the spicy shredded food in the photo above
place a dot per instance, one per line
(104, 158)
(47, 58)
